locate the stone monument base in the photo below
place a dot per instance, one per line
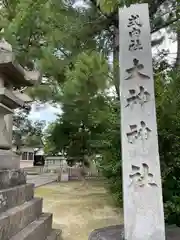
(12, 177)
(117, 233)
(21, 216)
(64, 177)
(9, 160)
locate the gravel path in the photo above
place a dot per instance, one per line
(78, 210)
(41, 179)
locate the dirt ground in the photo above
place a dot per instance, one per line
(79, 210)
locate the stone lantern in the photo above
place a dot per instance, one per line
(21, 216)
(12, 77)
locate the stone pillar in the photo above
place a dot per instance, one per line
(143, 204)
(9, 121)
(9, 124)
(5, 110)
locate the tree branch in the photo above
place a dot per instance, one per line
(113, 16)
(167, 24)
(155, 6)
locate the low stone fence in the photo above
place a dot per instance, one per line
(73, 172)
(34, 170)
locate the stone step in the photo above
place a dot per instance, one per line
(55, 235)
(12, 197)
(15, 219)
(37, 230)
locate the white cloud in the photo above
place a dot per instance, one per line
(80, 4)
(44, 112)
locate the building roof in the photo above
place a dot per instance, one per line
(39, 152)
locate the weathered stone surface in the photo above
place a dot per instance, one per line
(142, 190)
(173, 233)
(15, 196)
(11, 178)
(55, 235)
(12, 75)
(9, 160)
(37, 230)
(117, 233)
(9, 99)
(64, 177)
(108, 233)
(17, 218)
(14, 71)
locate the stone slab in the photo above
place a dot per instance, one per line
(37, 230)
(117, 233)
(55, 235)
(4, 109)
(15, 72)
(15, 219)
(64, 177)
(9, 160)
(15, 196)
(11, 178)
(9, 99)
(108, 233)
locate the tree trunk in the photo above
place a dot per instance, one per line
(177, 63)
(116, 60)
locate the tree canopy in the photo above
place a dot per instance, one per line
(27, 132)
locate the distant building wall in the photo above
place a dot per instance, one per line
(26, 164)
(54, 162)
(26, 156)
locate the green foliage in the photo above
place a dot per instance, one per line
(110, 162)
(108, 6)
(27, 132)
(82, 94)
(168, 113)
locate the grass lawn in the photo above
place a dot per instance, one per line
(79, 210)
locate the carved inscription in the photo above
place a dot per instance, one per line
(134, 24)
(138, 133)
(136, 71)
(133, 134)
(144, 131)
(140, 97)
(141, 176)
(135, 43)
(134, 20)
